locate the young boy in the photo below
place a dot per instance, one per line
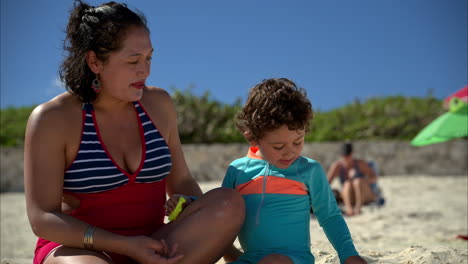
(278, 185)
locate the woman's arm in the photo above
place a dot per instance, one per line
(332, 172)
(179, 181)
(197, 229)
(368, 171)
(44, 164)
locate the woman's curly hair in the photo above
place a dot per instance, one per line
(100, 29)
(271, 104)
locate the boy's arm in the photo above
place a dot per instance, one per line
(232, 253)
(329, 215)
(339, 236)
(229, 178)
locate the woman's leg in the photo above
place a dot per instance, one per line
(275, 259)
(347, 195)
(363, 194)
(366, 192)
(66, 255)
(205, 229)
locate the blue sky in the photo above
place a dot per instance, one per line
(338, 50)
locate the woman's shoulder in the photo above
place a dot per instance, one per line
(337, 164)
(157, 99)
(158, 104)
(59, 110)
(361, 163)
(156, 93)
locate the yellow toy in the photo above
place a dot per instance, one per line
(177, 209)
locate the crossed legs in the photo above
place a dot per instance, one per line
(202, 231)
(355, 193)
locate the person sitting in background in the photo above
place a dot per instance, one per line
(358, 180)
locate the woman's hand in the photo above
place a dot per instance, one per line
(171, 203)
(146, 250)
(355, 260)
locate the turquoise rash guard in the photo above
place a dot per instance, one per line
(278, 203)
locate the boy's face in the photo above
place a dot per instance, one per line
(281, 147)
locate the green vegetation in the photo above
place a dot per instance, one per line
(390, 118)
(202, 119)
(13, 124)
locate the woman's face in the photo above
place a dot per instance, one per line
(124, 74)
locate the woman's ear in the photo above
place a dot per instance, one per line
(93, 62)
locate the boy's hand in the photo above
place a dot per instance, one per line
(355, 260)
(171, 203)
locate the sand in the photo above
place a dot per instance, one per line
(419, 223)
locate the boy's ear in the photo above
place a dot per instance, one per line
(93, 62)
(253, 143)
(248, 137)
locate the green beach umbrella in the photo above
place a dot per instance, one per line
(452, 124)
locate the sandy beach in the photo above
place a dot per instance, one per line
(419, 224)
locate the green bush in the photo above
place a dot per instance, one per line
(202, 119)
(13, 125)
(394, 117)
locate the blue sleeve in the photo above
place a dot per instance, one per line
(329, 215)
(229, 178)
(339, 236)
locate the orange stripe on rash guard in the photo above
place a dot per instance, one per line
(252, 186)
(274, 184)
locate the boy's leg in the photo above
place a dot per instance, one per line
(205, 229)
(275, 259)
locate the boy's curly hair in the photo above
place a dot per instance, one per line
(271, 104)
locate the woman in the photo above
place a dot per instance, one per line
(357, 179)
(101, 157)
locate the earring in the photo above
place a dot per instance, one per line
(96, 85)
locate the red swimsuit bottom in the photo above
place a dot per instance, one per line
(131, 210)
